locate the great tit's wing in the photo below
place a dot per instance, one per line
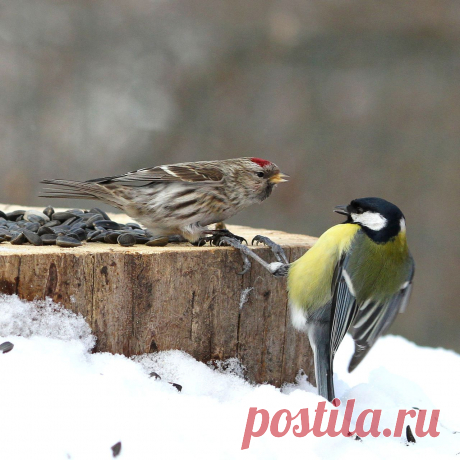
(374, 318)
(184, 172)
(343, 308)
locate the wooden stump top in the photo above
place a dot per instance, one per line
(145, 299)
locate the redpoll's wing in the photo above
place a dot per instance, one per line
(373, 319)
(184, 172)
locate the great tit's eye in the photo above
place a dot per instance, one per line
(260, 174)
(359, 210)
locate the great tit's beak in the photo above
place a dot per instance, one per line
(342, 209)
(277, 178)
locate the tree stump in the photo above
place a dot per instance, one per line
(145, 299)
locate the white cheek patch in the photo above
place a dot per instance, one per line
(402, 224)
(372, 220)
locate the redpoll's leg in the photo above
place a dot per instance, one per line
(217, 236)
(275, 268)
(276, 248)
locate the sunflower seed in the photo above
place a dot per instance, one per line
(101, 212)
(78, 233)
(161, 241)
(116, 449)
(133, 225)
(111, 237)
(52, 223)
(99, 238)
(49, 238)
(32, 238)
(107, 224)
(67, 242)
(48, 211)
(63, 216)
(19, 238)
(36, 216)
(70, 221)
(94, 218)
(15, 214)
(6, 347)
(44, 231)
(32, 226)
(126, 240)
(93, 234)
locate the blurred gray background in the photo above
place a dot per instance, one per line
(351, 98)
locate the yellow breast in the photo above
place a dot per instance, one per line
(310, 277)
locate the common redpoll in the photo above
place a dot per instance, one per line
(180, 199)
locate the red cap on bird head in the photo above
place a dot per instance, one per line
(260, 162)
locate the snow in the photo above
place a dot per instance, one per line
(59, 401)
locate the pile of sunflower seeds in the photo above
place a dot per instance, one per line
(70, 228)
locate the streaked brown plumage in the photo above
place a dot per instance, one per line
(179, 199)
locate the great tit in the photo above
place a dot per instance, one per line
(355, 279)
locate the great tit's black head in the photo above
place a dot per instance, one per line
(379, 219)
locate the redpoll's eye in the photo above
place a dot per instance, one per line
(259, 174)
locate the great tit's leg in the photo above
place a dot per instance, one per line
(276, 248)
(275, 268)
(217, 237)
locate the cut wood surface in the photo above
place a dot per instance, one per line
(144, 299)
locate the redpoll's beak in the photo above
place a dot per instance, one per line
(277, 178)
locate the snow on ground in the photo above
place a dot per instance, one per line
(58, 401)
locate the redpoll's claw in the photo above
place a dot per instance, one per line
(201, 242)
(276, 248)
(218, 235)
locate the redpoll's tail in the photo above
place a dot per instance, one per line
(79, 190)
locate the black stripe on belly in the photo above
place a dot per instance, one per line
(182, 205)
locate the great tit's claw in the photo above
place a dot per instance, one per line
(229, 241)
(276, 248)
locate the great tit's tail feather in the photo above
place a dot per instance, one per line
(319, 340)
